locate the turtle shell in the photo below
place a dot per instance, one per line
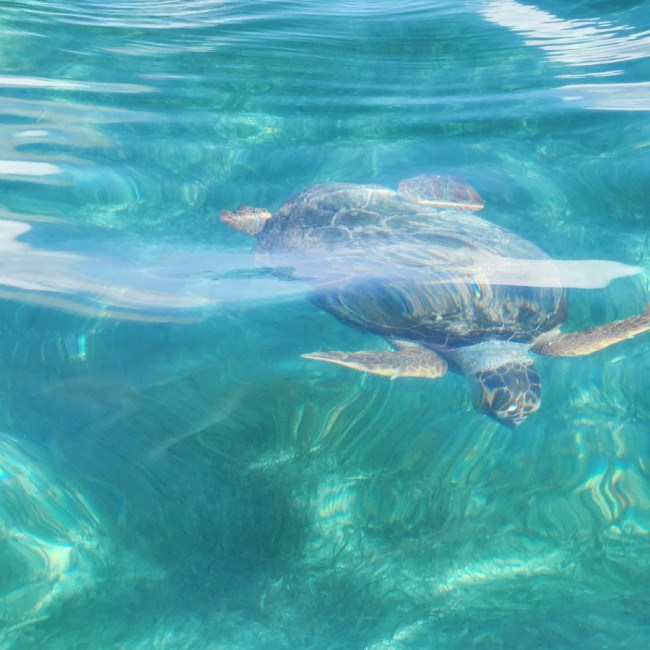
(387, 264)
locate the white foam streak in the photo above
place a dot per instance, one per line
(576, 42)
(9, 81)
(177, 286)
(28, 168)
(574, 274)
(610, 97)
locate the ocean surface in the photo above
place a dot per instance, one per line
(172, 473)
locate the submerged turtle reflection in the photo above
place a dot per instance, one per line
(437, 288)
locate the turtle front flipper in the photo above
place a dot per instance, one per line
(408, 360)
(441, 192)
(576, 344)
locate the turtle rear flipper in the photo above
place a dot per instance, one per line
(440, 191)
(576, 344)
(246, 219)
(408, 360)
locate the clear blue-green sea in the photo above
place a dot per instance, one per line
(173, 475)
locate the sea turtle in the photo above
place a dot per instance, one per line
(418, 268)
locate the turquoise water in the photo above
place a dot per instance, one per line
(172, 473)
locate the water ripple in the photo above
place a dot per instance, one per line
(149, 14)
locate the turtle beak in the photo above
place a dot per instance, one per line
(508, 393)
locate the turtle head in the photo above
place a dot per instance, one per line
(505, 383)
(246, 219)
(508, 393)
